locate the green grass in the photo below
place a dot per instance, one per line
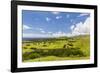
(54, 58)
(54, 44)
(78, 43)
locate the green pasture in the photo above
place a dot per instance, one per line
(62, 48)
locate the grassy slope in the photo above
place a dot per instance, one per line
(83, 42)
(54, 58)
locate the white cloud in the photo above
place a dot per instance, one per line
(28, 35)
(26, 27)
(55, 13)
(81, 28)
(42, 31)
(58, 34)
(49, 35)
(83, 14)
(72, 27)
(48, 19)
(32, 35)
(58, 17)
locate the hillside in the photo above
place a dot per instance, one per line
(62, 48)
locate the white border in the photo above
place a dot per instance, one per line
(53, 63)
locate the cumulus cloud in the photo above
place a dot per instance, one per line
(81, 28)
(26, 27)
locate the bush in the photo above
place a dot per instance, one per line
(27, 44)
(33, 48)
(77, 52)
(25, 55)
(34, 55)
(44, 45)
(30, 55)
(24, 47)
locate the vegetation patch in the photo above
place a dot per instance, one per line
(63, 47)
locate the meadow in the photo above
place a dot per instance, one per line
(60, 48)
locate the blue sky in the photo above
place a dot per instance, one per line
(52, 24)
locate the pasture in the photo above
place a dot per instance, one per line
(51, 49)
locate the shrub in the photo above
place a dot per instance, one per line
(77, 52)
(25, 55)
(34, 55)
(24, 47)
(30, 55)
(44, 45)
(27, 44)
(33, 48)
(64, 46)
(70, 44)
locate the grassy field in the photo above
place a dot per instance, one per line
(51, 49)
